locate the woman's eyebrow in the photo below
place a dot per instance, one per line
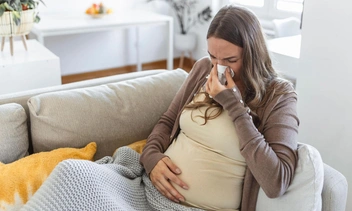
(231, 57)
(211, 54)
(227, 58)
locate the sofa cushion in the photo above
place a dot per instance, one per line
(111, 115)
(21, 179)
(304, 193)
(13, 132)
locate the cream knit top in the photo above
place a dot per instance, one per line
(210, 160)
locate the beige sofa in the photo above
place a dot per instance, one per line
(112, 111)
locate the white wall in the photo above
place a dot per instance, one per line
(324, 83)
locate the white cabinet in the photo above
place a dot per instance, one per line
(36, 68)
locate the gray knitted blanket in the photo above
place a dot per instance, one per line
(112, 183)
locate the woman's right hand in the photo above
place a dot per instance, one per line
(165, 172)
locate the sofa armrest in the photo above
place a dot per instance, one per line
(334, 195)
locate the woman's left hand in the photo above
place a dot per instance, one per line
(213, 85)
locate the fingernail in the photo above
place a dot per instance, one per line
(181, 199)
(178, 171)
(185, 187)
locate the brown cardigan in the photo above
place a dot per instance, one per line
(269, 150)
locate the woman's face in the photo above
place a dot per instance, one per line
(225, 53)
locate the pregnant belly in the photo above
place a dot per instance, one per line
(215, 181)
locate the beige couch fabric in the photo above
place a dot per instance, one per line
(111, 115)
(13, 132)
(22, 97)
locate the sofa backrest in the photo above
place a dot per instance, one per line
(112, 115)
(22, 97)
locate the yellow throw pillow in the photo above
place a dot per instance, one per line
(21, 179)
(138, 145)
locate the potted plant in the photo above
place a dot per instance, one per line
(186, 14)
(17, 18)
(187, 17)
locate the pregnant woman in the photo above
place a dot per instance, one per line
(217, 144)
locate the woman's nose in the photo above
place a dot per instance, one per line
(220, 62)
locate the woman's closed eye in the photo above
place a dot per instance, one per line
(232, 61)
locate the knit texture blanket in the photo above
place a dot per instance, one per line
(112, 183)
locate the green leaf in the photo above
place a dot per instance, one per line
(16, 14)
(36, 19)
(8, 7)
(16, 17)
(2, 9)
(15, 4)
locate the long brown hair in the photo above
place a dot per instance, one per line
(240, 26)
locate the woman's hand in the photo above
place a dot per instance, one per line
(165, 172)
(213, 85)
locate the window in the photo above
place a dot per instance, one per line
(254, 3)
(268, 10)
(290, 5)
(273, 8)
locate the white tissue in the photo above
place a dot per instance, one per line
(221, 73)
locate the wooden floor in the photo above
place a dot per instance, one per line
(187, 65)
